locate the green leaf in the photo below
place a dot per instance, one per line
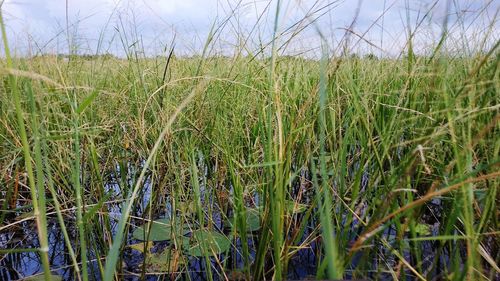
(161, 230)
(208, 242)
(88, 216)
(253, 220)
(41, 277)
(167, 260)
(294, 207)
(187, 208)
(86, 102)
(423, 229)
(140, 246)
(26, 215)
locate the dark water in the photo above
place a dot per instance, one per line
(23, 235)
(15, 266)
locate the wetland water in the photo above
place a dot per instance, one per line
(303, 264)
(23, 235)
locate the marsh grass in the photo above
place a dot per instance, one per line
(395, 159)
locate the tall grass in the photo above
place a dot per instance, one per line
(36, 186)
(392, 161)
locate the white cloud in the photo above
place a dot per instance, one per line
(156, 22)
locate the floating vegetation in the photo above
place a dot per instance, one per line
(207, 243)
(41, 277)
(167, 261)
(293, 207)
(142, 247)
(252, 220)
(160, 230)
(268, 164)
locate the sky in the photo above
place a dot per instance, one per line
(149, 27)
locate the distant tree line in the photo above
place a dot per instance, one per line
(78, 56)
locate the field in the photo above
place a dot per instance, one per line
(252, 167)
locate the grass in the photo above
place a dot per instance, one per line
(395, 159)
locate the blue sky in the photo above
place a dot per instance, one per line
(40, 25)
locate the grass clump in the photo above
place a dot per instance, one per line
(381, 167)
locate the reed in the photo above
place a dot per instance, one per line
(378, 168)
(36, 186)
